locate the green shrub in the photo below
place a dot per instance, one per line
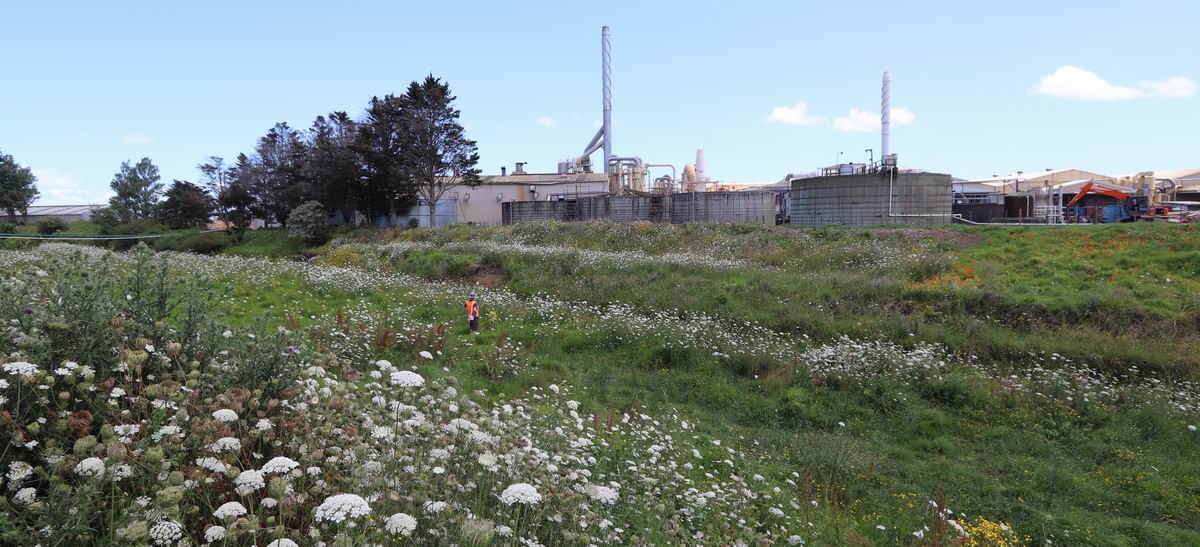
(203, 243)
(51, 225)
(307, 223)
(8, 228)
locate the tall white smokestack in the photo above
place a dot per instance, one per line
(606, 71)
(700, 170)
(885, 114)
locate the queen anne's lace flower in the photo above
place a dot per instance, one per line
(25, 496)
(214, 534)
(407, 378)
(225, 415)
(226, 444)
(340, 507)
(523, 493)
(90, 467)
(282, 542)
(166, 533)
(18, 471)
(602, 494)
(279, 464)
(230, 510)
(21, 368)
(211, 464)
(400, 524)
(249, 481)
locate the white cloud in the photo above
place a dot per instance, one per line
(136, 138)
(59, 188)
(794, 115)
(546, 121)
(863, 121)
(1071, 82)
(1175, 87)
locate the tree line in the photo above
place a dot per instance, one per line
(402, 148)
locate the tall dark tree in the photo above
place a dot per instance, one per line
(435, 154)
(280, 186)
(379, 142)
(185, 205)
(18, 188)
(236, 199)
(331, 165)
(215, 177)
(137, 190)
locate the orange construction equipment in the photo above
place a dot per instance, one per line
(1091, 187)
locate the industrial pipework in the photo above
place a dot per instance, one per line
(606, 76)
(885, 115)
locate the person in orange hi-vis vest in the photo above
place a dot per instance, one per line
(473, 314)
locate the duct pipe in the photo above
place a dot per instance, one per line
(674, 178)
(594, 145)
(700, 170)
(606, 76)
(885, 114)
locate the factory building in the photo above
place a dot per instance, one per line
(66, 213)
(483, 204)
(883, 196)
(1180, 184)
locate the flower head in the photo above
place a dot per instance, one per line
(401, 524)
(340, 507)
(407, 378)
(523, 493)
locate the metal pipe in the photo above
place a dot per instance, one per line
(595, 144)
(885, 114)
(606, 76)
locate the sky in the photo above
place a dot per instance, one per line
(765, 88)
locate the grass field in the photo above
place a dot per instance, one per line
(1038, 383)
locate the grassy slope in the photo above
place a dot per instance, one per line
(1102, 476)
(1095, 294)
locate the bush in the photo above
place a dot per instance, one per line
(203, 243)
(307, 223)
(7, 228)
(51, 225)
(414, 223)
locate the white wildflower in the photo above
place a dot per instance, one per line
(400, 524)
(407, 378)
(225, 415)
(340, 507)
(523, 493)
(229, 510)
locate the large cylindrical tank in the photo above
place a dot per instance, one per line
(872, 198)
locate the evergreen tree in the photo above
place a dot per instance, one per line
(435, 155)
(331, 164)
(137, 190)
(185, 205)
(379, 142)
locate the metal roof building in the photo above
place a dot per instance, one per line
(67, 213)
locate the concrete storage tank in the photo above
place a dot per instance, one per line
(884, 197)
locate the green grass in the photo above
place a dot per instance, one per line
(1077, 474)
(1114, 297)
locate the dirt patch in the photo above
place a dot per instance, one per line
(486, 275)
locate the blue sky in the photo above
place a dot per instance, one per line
(1104, 86)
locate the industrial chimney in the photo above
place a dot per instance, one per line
(700, 180)
(606, 75)
(885, 115)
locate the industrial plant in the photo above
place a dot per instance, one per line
(626, 188)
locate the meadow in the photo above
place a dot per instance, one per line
(633, 384)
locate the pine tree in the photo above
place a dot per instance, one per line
(435, 155)
(137, 190)
(18, 188)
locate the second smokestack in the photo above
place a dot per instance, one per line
(885, 115)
